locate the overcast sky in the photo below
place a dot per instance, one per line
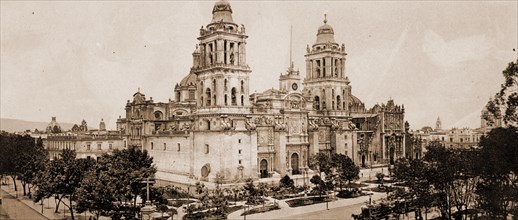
(83, 60)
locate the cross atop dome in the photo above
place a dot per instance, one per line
(325, 18)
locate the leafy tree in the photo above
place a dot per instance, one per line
(506, 98)
(287, 183)
(32, 161)
(20, 158)
(415, 174)
(61, 178)
(320, 185)
(344, 168)
(498, 187)
(97, 193)
(321, 162)
(252, 190)
(120, 177)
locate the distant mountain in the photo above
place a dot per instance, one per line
(13, 125)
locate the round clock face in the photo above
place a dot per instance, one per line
(294, 86)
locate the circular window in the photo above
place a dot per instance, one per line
(294, 86)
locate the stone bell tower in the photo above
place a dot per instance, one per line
(326, 82)
(223, 74)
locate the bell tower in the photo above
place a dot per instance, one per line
(223, 74)
(326, 82)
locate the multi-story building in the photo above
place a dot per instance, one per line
(85, 142)
(463, 138)
(214, 125)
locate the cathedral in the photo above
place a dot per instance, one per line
(213, 126)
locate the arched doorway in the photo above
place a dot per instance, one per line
(205, 170)
(295, 163)
(363, 160)
(263, 167)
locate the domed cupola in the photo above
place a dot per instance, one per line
(325, 33)
(222, 12)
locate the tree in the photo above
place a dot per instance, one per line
(498, 187)
(506, 99)
(344, 168)
(112, 188)
(321, 162)
(320, 185)
(252, 191)
(287, 183)
(415, 175)
(61, 178)
(20, 158)
(32, 160)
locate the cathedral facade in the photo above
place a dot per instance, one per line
(215, 127)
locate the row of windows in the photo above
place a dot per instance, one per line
(178, 146)
(110, 147)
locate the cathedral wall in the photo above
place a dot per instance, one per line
(231, 153)
(170, 153)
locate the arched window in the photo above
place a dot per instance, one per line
(338, 100)
(242, 86)
(233, 96)
(226, 85)
(177, 96)
(242, 100)
(226, 99)
(214, 99)
(208, 93)
(316, 103)
(214, 84)
(201, 100)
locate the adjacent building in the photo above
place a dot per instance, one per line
(86, 143)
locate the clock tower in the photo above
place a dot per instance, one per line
(290, 81)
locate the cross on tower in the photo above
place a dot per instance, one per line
(325, 18)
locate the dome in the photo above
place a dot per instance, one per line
(189, 80)
(355, 100)
(325, 34)
(222, 12)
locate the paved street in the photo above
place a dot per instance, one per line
(16, 209)
(335, 213)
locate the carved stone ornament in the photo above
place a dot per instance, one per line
(225, 124)
(280, 125)
(313, 126)
(186, 126)
(250, 125)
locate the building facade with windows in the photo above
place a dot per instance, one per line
(85, 142)
(213, 125)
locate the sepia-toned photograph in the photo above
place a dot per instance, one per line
(234, 109)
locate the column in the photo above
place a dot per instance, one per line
(220, 51)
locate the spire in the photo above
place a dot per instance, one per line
(291, 45)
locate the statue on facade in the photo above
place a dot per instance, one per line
(243, 28)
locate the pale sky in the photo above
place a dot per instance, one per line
(83, 60)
